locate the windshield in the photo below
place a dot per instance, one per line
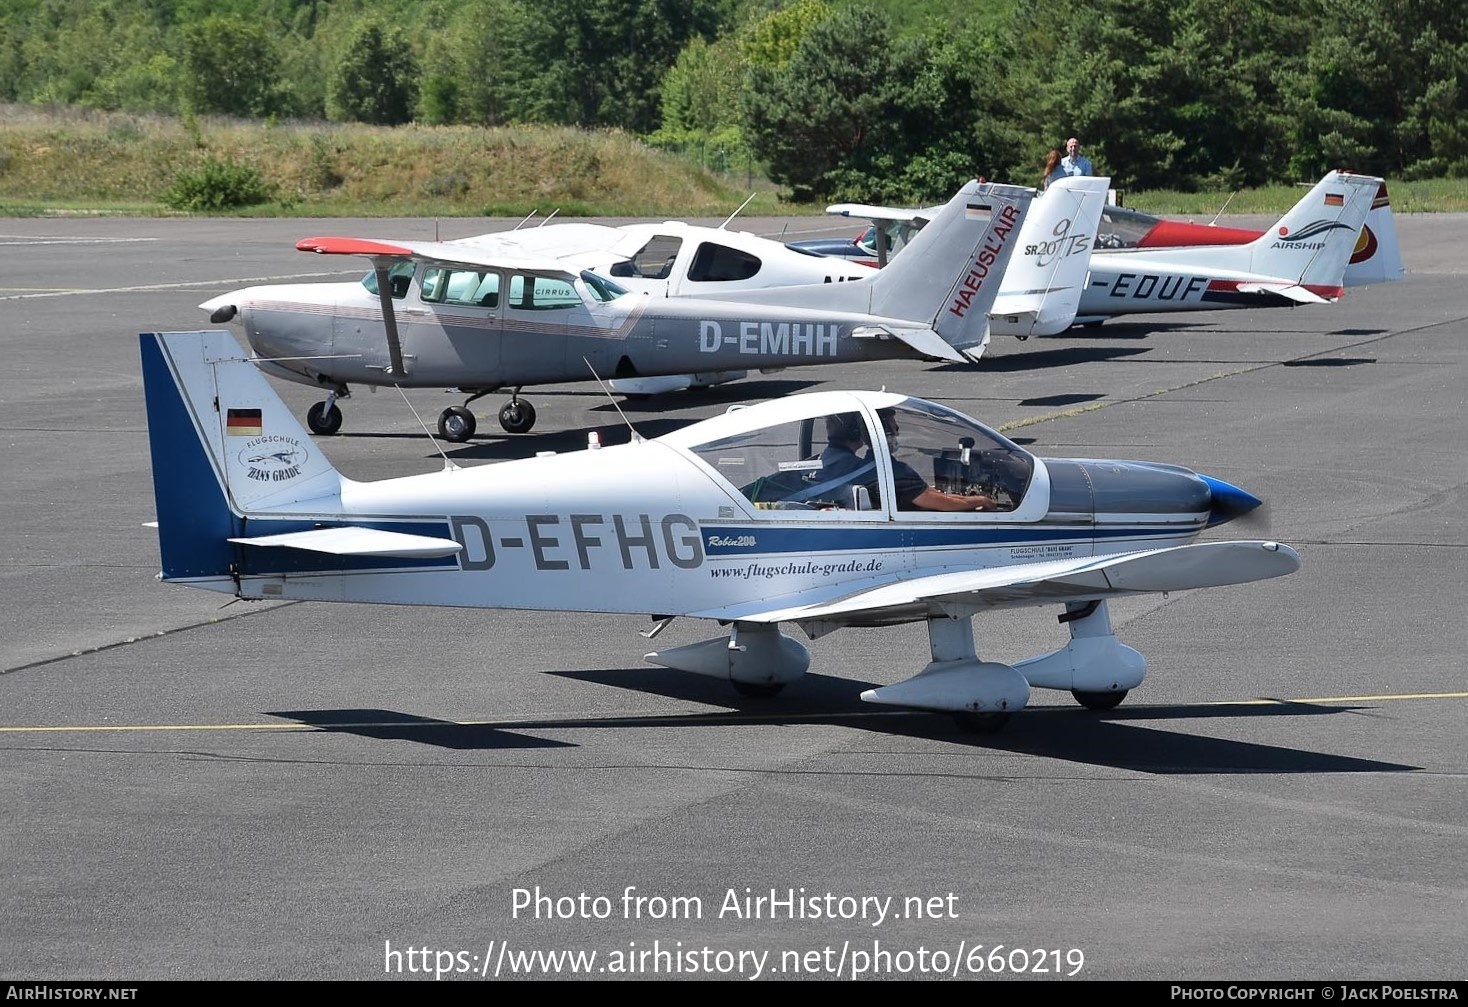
(399, 275)
(932, 445)
(602, 288)
(1123, 228)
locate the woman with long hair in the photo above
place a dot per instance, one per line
(1051, 169)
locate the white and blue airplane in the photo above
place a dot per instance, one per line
(805, 510)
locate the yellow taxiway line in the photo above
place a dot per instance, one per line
(427, 723)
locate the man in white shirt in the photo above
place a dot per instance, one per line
(1074, 163)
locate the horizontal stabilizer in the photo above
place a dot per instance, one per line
(924, 340)
(353, 541)
(1293, 291)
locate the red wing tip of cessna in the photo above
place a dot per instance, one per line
(805, 510)
(349, 246)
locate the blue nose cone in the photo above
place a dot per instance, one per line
(1227, 501)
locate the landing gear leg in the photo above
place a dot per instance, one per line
(517, 416)
(324, 418)
(1095, 667)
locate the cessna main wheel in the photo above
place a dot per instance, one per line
(1099, 700)
(456, 424)
(324, 421)
(517, 416)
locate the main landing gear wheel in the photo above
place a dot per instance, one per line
(980, 723)
(324, 420)
(517, 416)
(456, 424)
(757, 690)
(1099, 700)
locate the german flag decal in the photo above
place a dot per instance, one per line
(1334, 199)
(244, 423)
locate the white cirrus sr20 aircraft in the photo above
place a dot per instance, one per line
(823, 511)
(458, 315)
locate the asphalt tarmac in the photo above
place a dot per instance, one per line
(201, 790)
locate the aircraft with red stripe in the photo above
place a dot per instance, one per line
(1340, 234)
(1377, 257)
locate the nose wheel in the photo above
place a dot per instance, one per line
(517, 416)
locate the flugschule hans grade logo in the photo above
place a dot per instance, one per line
(274, 458)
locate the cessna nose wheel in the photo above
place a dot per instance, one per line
(324, 418)
(517, 416)
(456, 424)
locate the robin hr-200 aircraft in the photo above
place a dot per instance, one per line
(1141, 264)
(453, 315)
(797, 510)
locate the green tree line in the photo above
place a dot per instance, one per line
(836, 99)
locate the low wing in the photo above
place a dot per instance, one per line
(961, 593)
(353, 541)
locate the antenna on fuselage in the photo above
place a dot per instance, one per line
(525, 221)
(635, 435)
(1227, 201)
(548, 217)
(737, 212)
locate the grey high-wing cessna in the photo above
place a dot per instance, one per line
(450, 315)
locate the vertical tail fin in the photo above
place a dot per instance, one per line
(1045, 280)
(946, 277)
(1313, 242)
(1377, 258)
(1303, 256)
(949, 274)
(224, 447)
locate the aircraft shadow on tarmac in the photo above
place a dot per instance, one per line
(1036, 360)
(1114, 739)
(1329, 362)
(389, 725)
(1062, 400)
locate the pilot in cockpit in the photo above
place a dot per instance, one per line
(913, 492)
(843, 461)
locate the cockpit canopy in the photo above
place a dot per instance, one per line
(826, 461)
